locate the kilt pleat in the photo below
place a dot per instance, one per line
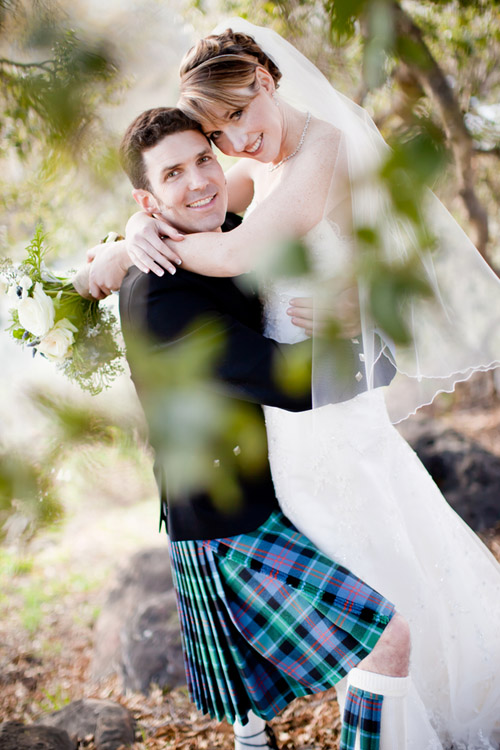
(266, 618)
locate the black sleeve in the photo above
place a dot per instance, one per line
(248, 361)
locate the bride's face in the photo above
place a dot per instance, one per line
(255, 131)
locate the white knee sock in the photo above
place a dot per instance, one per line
(393, 717)
(251, 734)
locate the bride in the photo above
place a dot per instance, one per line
(342, 473)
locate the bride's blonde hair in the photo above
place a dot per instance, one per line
(216, 66)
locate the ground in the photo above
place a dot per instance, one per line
(51, 593)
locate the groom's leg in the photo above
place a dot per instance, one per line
(254, 734)
(374, 715)
(391, 655)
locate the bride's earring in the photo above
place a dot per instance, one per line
(275, 99)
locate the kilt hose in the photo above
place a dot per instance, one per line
(362, 715)
(265, 618)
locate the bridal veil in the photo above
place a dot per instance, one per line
(455, 332)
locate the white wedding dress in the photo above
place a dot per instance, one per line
(351, 483)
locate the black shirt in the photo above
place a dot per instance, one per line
(163, 313)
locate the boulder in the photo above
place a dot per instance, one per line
(151, 645)
(17, 736)
(466, 473)
(137, 634)
(110, 724)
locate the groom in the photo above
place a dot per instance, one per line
(173, 170)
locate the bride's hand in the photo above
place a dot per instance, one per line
(109, 263)
(144, 237)
(314, 318)
(303, 314)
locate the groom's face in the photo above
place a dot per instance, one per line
(187, 181)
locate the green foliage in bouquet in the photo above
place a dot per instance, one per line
(49, 316)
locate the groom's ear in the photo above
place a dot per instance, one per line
(145, 199)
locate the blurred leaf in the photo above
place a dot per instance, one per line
(379, 43)
(27, 496)
(411, 52)
(54, 85)
(343, 14)
(75, 424)
(202, 437)
(416, 160)
(293, 374)
(284, 260)
(391, 290)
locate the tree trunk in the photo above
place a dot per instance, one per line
(420, 63)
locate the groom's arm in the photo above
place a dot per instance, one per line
(180, 308)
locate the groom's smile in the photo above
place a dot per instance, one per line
(204, 202)
(187, 182)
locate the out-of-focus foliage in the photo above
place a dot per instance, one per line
(202, 437)
(28, 499)
(53, 98)
(77, 437)
(55, 144)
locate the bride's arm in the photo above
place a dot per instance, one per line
(240, 186)
(146, 234)
(292, 208)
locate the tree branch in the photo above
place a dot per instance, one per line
(493, 151)
(43, 65)
(434, 83)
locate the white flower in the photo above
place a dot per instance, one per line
(93, 332)
(56, 344)
(12, 294)
(4, 286)
(26, 283)
(36, 314)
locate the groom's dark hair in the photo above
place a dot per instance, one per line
(148, 129)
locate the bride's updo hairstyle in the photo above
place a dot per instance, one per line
(215, 67)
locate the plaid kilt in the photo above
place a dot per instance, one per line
(265, 618)
(362, 715)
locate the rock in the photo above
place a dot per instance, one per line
(466, 473)
(151, 645)
(17, 736)
(110, 724)
(114, 728)
(137, 634)
(147, 573)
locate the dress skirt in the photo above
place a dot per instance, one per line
(265, 618)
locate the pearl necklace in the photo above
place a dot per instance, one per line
(299, 146)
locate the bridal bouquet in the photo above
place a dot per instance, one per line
(50, 317)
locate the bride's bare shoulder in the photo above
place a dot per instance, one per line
(325, 143)
(325, 133)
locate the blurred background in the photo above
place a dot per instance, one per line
(76, 488)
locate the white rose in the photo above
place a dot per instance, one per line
(36, 314)
(26, 283)
(56, 344)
